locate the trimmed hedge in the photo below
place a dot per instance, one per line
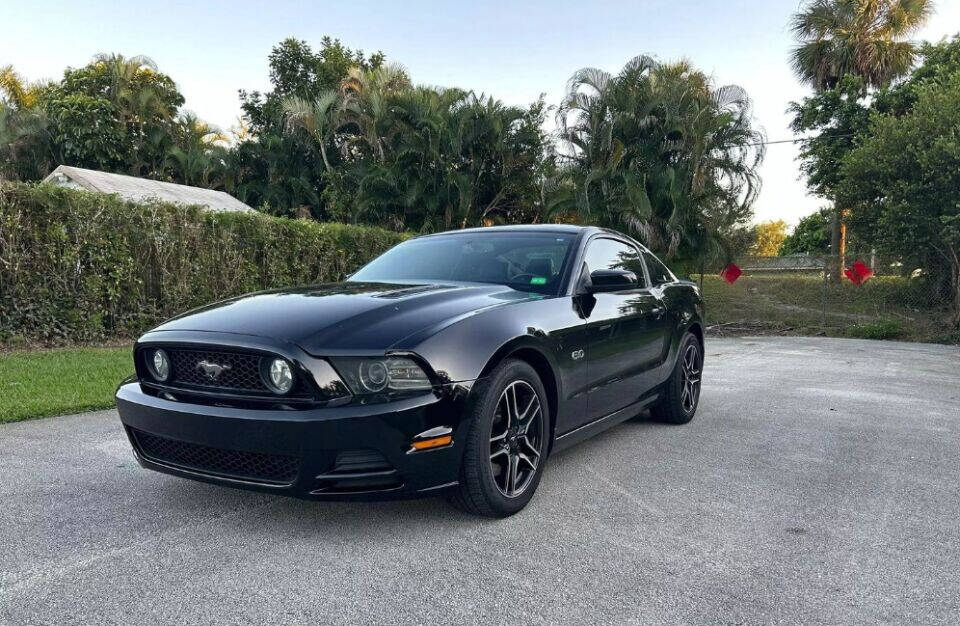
(80, 267)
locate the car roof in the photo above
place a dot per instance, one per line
(528, 228)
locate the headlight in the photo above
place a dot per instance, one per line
(279, 376)
(391, 374)
(159, 365)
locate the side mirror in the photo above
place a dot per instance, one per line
(611, 280)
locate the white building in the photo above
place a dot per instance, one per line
(142, 189)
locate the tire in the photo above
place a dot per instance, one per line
(680, 395)
(499, 450)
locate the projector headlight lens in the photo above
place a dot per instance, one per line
(159, 365)
(391, 374)
(373, 375)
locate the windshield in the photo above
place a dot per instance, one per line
(526, 261)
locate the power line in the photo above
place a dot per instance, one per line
(770, 143)
(797, 140)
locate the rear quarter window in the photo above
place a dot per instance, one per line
(659, 273)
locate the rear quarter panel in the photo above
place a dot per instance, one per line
(685, 308)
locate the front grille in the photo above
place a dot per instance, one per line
(241, 371)
(252, 466)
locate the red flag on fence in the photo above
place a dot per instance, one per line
(858, 273)
(731, 273)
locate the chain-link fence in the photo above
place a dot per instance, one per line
(865, 296)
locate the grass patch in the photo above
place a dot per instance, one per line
(57, 382)
(802, 304)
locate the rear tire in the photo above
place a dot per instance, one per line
(506, 449)
(680, 395)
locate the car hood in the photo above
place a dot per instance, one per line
(346, 317)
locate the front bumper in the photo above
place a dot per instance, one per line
(346, 452)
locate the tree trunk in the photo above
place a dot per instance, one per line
(323, 153)
(836, 261)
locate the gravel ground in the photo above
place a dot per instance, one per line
(820, 483)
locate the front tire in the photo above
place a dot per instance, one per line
(681, 393)
(506, 448)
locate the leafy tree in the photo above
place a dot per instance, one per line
(904, 181)
(25, 151)
(837, 117)
(863, 38)
(811, 236)
(110, 114)
(660, 151)
(285, 171)
(846, 48)
(769, 238)
(428, 159)
(296, 70)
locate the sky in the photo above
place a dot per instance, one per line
(512, 50)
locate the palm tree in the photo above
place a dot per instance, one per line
(660, 151)
(319, 118)
(366, 95)
(16, 92)
(200, 153)
(865, 38)
(25, 148)
(123, 71)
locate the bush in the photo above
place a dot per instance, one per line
(886, 329)
(78, 266)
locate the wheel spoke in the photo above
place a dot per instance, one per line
(532, 463)
(530, 415)
(526, 411)
(512, 474)
(532, 449)
(499, 452)
(514, 413)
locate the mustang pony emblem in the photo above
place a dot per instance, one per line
(212, 370)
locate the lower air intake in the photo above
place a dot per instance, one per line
(251, 466)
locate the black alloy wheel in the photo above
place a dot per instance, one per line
(516, 446)
(690, 364)
(506, 449)
(680, 395)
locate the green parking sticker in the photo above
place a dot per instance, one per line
(538, 280)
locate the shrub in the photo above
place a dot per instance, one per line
(886, 329)
(78, 266)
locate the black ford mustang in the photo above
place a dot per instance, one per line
(454, 363)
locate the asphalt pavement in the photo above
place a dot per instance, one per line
(819, 483)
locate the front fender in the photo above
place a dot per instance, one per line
(547, 331)
(464, 350)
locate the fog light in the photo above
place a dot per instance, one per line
(281, 376)
(159, 365)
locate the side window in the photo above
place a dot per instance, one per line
(610, 254)
(659, 274)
